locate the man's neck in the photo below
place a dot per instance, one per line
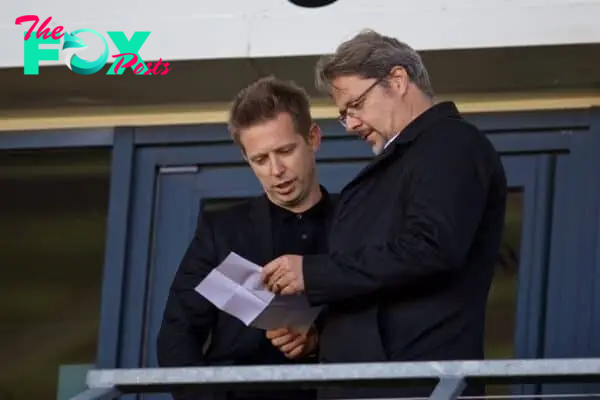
(418, 104)
(313, 197)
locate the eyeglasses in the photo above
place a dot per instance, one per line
(355, 105)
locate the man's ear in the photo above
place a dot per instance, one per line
(314, 136)
(399, 78)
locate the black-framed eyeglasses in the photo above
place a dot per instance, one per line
(355, 104)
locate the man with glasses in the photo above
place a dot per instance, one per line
(416, 235)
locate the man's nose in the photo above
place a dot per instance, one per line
(277, 167)
(352, 124)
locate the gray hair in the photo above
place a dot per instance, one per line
(372, 55)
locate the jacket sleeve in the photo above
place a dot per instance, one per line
(188, 317)
(436, 226)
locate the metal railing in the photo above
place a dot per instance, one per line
(105, 384)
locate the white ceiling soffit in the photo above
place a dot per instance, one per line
(196, 30)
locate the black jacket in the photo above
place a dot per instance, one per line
(412, 251)
(189, 319)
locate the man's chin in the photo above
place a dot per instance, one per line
(288, 199)
(377, 148)
(376, 143)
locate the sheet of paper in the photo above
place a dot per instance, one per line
(235, 288)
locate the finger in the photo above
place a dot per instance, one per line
(269, 269)
(274, 333)
(266, 272)
(278, 276)
(283, 341)
(295, 352)
(274, 287)
(292, 344)
(271, 274)
(289, 289)
(286, 337)
(278, 281)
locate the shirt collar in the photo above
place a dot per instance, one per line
(319, 210)
(391, 140)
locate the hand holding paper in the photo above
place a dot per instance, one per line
(235, 287)
(284, 275)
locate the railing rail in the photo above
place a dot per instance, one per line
(104, 384)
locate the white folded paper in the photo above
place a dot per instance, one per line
(235, 288)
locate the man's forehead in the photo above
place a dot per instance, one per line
(344, 89)
(265, 147)
(341, 94)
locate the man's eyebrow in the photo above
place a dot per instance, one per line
(347, 105)
(278, 148)
(255, 156)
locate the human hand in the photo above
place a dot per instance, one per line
(284, 275)
(293, 344)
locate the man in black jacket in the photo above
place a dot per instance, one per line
(270, 121)
(416, 234)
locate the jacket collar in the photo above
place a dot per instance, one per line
(411, 132)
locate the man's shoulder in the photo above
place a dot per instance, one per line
(334, 199)
(235, 211)
(457, 125)
(454, 134)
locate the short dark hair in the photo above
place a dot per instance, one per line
(266, 98)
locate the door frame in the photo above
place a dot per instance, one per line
(551, 133)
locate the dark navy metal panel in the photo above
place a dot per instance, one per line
(179, 134)
(564, 236)
(175, 216)
(518, 121)
(594, 345)
(539, 142)
(175, 219)
(136, 275)
(56, 139)
(115, 250)
(572, 320)
(594, 171)
(570, 283)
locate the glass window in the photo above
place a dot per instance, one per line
(502, 303)
(53, 210)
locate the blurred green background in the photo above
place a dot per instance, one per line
(53, 210)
